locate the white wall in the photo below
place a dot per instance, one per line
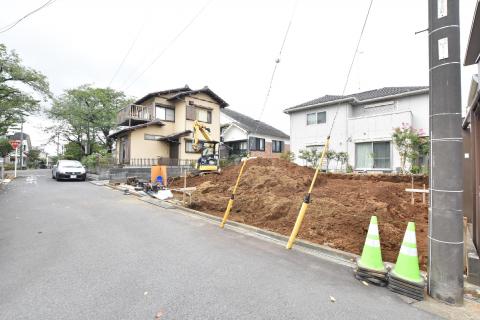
(233, 133)
(348, 130)
(303, 135)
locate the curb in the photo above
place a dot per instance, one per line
(331, 254)
(334, 255)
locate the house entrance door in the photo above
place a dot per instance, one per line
(174, 145)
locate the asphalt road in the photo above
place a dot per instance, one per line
(73, 250)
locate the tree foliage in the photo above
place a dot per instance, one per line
(311, 156)
(342, 159)
(5, 147)
(33, 158)
(411, 145)
(15, 79)
(288, 155)
(85, 116)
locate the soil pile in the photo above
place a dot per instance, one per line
(271, 192)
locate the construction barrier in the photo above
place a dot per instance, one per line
(370, 266)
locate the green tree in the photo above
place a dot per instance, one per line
(288, 155)
(33, 158)
(330, 155)
(342, 158)
(311, 156)
(85, 116)
(15, 79)
(72, 151)
(5, 147)
(411, 145)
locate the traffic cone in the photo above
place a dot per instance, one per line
(405, 277)
(370, 266)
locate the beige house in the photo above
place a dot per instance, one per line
(158, 127)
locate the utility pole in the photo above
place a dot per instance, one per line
(445, 263)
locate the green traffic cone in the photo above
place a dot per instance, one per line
(372, 255)
(407, 267)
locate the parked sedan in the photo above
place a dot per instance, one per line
(69, 169)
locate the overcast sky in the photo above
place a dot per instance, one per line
(231, 47)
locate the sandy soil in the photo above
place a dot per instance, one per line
(271, 192)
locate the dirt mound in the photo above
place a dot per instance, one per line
(271, 191)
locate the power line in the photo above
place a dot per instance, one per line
(277, 61)
(171, 42)
(127, 54)
(351, 64)
(13, 24)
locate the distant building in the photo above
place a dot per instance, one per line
(242, 134)
(22, 151)
(159, 125)
(363, 126)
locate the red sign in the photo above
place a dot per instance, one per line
(14, 143)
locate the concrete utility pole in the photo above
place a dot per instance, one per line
(445, 263)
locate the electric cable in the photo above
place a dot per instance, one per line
(351, 64)
(13, 24)
(127, 54)
(277, 61)
(177, 36)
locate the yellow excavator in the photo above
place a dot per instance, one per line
(208, 161)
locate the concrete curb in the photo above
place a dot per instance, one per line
(331, 254)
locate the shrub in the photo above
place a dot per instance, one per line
(288, 155)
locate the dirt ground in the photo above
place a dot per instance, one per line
(271, 192)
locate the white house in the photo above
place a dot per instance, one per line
(241, 135)
(363, 125)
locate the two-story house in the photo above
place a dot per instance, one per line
(243, 135)
(364, 124)
(160, 124)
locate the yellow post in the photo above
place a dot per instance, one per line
(232, 197)
(306, 200)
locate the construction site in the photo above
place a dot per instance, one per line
(270, 193)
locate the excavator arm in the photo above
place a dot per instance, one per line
(199, 129)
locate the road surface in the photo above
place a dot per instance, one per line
(73, 250)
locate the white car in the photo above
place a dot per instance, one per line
(69, 169)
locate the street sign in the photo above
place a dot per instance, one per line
(14, 143)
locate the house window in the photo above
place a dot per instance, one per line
(316, 147)
(311, 118)
(154, 137)
(277, 146)
(189, 147)
(372, 155)
(237, 147)
(203, 115)
(256, 144)
(200, 114)
(164, 113)
(316, 118)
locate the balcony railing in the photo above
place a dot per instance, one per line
(135, 114)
